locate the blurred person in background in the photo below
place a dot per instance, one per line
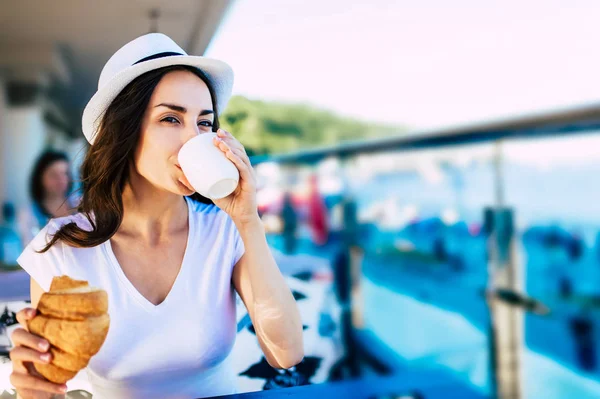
(169, 259)
(317, 213)
(345, 282)
(290, 224)
(50, 187)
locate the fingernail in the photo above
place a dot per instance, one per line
(43, 345)
(63, 388)
(45, 357)
(31, 312)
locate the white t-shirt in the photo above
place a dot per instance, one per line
(177, 349)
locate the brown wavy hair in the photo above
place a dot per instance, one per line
(105, 170)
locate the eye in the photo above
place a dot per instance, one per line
(205, 123)
(169, 119)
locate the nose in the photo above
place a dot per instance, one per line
(192, 130)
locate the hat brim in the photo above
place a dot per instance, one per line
(219, 73)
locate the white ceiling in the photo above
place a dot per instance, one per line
(86, 33)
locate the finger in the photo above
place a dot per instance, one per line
(22, 337)
(19, 367)
(249, 175)
(24, 315)
(241, 166)
(232, 141)
(224, 133)
(224, 146)
(31, 370)
(23, 354)
(240, 153)
(24, 381)
(30, 394)
(244, 159)
(225, 143)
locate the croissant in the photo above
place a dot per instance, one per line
(73, 318)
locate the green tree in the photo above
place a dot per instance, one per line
(271, 127)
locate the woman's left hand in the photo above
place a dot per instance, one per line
(240, 205)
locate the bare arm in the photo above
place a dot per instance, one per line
(269, 301)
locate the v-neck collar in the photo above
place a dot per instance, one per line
(142, 300)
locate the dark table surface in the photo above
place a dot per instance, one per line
(429, 384)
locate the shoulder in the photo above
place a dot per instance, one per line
(41, 265)
(44, 236)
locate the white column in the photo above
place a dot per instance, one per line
(24, 134)
(3, 141)
(24, 139)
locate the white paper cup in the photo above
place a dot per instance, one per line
(207, 168)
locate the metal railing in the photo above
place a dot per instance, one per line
(504, 292)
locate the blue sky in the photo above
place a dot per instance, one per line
(421, 63)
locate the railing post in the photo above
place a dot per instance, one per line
(348, 274)
(506, 321)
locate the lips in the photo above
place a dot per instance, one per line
(183, 180)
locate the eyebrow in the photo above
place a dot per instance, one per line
(183, 110)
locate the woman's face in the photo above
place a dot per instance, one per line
(55, 179)
(180, 108)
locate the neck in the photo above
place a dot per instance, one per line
(151, 214)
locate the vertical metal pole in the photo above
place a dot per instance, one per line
(498, 175)
(352, 314)
(505, 271)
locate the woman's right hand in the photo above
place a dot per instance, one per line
(29, 349)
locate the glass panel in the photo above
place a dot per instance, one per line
(551, 185)
(425, 268)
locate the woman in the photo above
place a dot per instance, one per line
(49, 188)
(169, 259)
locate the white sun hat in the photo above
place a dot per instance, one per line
(144, 54)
